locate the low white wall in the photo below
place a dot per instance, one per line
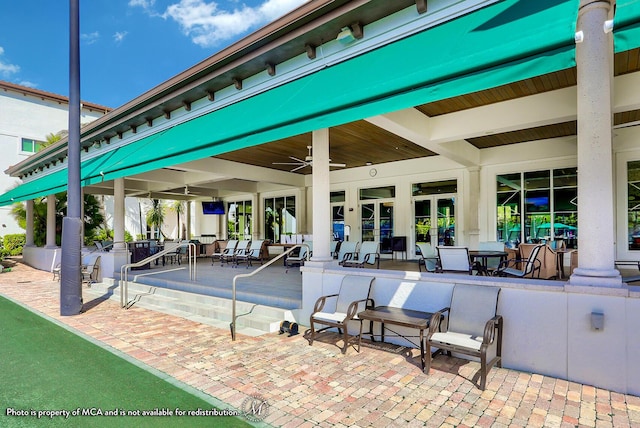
(547, 324)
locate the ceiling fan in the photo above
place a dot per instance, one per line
(307, 161)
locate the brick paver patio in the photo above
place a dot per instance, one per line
(318, 386)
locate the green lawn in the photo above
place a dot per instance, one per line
(45, 368)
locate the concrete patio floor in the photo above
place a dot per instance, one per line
(318, 386)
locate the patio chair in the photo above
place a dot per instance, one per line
(347, 251)
(241, 250)
(492, 262)
(254, 252)
(305, 252)
(427, 257)
(334, 247)
(547, 256)
(454, 259)
(225, 252)
(336, 310)
(521, 268)
(368, 254)
(90, 268)
(472, 328)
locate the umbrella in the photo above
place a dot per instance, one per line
(556, 226)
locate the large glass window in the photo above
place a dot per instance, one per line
(239, 220)
(376, 215)
(538, 206)
(279, 217)
(633, 204)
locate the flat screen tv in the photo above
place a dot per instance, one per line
(215, 207)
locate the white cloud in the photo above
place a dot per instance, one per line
(28, 84)
(119, 36)
(90, 38)
(207, 23)
(7, 69)
(145, 4)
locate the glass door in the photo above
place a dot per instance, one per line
(377, 223)
(435, 220)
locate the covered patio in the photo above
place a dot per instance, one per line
(429, 105)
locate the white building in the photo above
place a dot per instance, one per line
(27, 116)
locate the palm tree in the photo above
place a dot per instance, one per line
(54, 138)
(155, 216)
(178, 208)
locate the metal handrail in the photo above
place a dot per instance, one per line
(247, 275)
(124, 269)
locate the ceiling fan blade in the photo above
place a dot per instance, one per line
(299, 167)
(339, 165)
(296, 159)
(285, 163)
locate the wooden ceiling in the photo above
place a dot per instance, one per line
(358, 143)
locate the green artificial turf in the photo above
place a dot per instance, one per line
(44, 367)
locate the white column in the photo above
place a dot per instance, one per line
(596, 236)
(118, 214)
(51, 221)
(188, 220)
(321, 196)
(471, 206)
(29, 232)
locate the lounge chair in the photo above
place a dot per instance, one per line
(521, 268)
(348, 251)
(454, 259)
(241, 250)
(254, 252)
(427, 257)
(473, 328)
(225, 252)
(368, 254)
(334, 247)
(305, 252)
(336, 310)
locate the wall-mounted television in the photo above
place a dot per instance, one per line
(213, 207)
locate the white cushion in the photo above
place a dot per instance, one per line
(457, 339)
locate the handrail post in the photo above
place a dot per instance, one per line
(232, 326)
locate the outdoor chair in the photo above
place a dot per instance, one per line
(176, 256)
(472, 328)
(90, 269)
(521, 268)
(241, 250)
(334, 247)
(228, 251)
(347, 251)
(547, 256)
(368, 254)
(98, 245)
(427, 257)
(254, 252)
(305, 252)
(336, 310)
(454, 259)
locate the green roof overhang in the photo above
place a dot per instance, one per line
(503, 43)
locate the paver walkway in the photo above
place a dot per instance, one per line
(318, 386)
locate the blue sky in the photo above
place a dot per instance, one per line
(127, 46)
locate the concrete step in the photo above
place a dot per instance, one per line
(252, 319)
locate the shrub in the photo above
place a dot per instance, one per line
(13, 244)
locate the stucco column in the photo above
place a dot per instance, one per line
(29, 242)
(596, 236)
(188, 220)
(472, 208)
(321, 196)
(118, 214)
(51, 221)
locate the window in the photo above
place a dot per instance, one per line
(31, 146)
(538, 206)
(279, 217)
(337, 214)
(239, 220)
(633, 204)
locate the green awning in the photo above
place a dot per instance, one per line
(499, 44)
(626, 25)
